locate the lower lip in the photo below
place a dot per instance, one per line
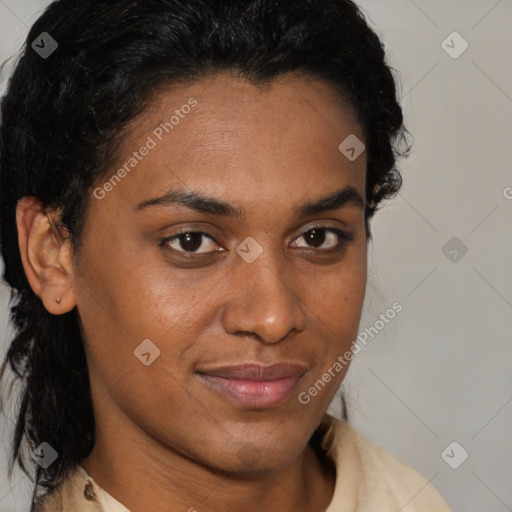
(251, 393)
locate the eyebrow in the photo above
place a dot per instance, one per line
(210, 205)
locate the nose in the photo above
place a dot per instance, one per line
(265, 300)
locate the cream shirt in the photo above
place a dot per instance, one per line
(368, 479)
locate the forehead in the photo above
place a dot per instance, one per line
(226, 135)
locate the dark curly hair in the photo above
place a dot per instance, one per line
(64, 118)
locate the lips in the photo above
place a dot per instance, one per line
(254, 385)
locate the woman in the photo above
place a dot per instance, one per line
(187, 189)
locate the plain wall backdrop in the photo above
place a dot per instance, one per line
(441, 371)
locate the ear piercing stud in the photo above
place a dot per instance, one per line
(57, 300)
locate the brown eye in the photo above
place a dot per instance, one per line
(315, 237)
(323, 238)
(190, 242)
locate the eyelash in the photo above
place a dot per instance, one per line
(344, 238)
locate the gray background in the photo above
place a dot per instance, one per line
(441, 370)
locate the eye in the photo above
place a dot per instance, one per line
(323, 238)
(192, 242)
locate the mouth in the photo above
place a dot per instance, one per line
(254, 385)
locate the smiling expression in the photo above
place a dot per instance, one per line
(253, 168)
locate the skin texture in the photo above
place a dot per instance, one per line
(162, 435)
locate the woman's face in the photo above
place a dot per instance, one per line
(264, 276)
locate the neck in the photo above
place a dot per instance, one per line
(137, 470)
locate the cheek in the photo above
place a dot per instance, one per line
(339, 294)
(338, 302)
(139, 292)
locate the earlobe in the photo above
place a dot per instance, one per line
(46, 256)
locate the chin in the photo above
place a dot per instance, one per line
(256, 454)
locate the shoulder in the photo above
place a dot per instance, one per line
(370, 478)
(73, 493)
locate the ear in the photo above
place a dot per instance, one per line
(46, 256)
